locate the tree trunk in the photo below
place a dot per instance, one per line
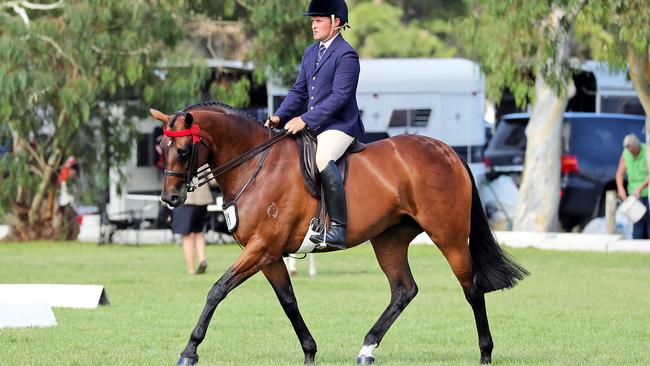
(53, 223)
(45, 185)
(38, 216)
(640, 75)
(539, 193)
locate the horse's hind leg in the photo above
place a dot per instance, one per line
(476, 299)
(391, 250)
(278, 276)
(457, 254)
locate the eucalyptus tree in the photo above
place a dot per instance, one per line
(279, 32)
(73, 76)
(381, 30)
(526, 47)
(626, 44)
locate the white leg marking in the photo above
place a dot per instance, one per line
(366, 350)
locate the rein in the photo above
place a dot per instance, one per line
(206, 175)
(203, 175)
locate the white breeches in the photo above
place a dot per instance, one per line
(331, 146)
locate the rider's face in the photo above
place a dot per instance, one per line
(321, 27)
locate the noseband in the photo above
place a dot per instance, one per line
(194, 131)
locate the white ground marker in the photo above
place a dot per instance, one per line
(26, 315)
(63, 296)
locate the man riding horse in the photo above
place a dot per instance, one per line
(327, 85)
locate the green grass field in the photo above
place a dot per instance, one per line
(575, 309)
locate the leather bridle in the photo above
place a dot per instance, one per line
(206, 175)
(193, 131)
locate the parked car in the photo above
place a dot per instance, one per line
(504, 153)
(591, 148)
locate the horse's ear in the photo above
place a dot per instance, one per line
(189, 118)
(159, 115)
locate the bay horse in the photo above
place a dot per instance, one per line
(397, 188)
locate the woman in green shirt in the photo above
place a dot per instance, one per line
(633, 161)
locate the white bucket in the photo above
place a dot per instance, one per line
(632, 208)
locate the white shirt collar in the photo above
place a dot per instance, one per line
(328, 43)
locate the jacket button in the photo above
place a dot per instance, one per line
(312, 88)
(313, 78)
(312, 97)
(311, 107)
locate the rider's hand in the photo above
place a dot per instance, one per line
(296, 124)
(272, 121)
(637, 193)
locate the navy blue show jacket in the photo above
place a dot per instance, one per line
(328, 90)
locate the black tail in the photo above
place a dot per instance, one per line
(493, 268)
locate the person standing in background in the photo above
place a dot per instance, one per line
(633, 162)
(68, 190)
(189, 221)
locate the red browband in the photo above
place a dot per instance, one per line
(193, 130)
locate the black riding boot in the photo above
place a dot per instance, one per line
(336, 207)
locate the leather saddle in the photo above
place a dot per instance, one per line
(306, 141)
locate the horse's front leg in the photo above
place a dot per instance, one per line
(278, 276)
(249, 262)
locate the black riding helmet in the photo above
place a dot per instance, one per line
(326, 8)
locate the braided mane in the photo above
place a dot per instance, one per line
(222, 107)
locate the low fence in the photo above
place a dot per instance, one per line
(563, 241)
(514, 239)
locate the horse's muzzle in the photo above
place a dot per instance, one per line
(174, 200)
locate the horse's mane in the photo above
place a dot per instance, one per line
(222, 107)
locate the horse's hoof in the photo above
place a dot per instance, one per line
(187, 361)
(310, 358)
(486, 360)
(365, 360)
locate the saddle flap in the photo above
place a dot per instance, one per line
(307, 150)
(307, 142)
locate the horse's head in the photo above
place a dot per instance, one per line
(180, 146)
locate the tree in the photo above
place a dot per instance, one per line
(431, 9)
(525, 46)
(380, 30)
(279, 34)
(73, 76)
(398, 28)
(628, 23)
(628, 45)
(217, 31)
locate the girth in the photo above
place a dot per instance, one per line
(306, 142)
